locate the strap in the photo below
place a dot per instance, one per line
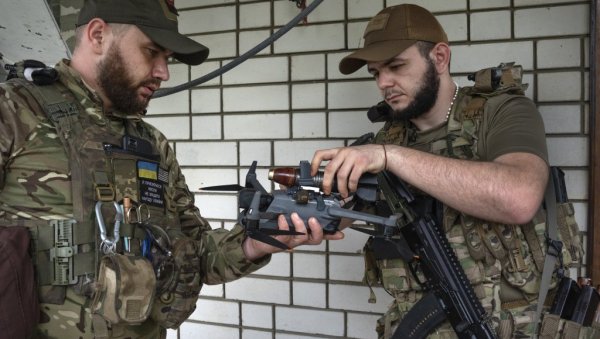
(554, 247)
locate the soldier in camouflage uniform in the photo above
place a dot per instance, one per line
(120, 250)
(480, 151)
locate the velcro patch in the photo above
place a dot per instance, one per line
(377, 23)
(152, 180)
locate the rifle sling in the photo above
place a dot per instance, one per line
(417, 323)
(551, 253)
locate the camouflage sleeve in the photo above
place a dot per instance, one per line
(220, 251)
(17, 120)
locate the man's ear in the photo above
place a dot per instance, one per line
(96, 34)
(440, 54)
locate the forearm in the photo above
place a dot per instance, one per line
(508, 189)
(223, 258)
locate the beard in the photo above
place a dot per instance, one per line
(425, 97)
(116, 83)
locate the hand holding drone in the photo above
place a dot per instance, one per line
(260, 209)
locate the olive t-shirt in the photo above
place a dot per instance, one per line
(515, 126)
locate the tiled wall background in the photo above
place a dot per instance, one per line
(290, 99)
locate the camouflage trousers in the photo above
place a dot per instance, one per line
(516, 323)
(73, 319)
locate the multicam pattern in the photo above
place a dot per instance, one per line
(489, 253)
(35, 181)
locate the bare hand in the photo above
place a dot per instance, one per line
(255, 249)
(347, 165)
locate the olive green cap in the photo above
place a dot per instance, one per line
(390, 32)
(156, 18)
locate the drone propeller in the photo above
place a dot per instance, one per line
(251, 182)
(223, 188)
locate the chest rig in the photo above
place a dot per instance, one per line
(511, 255)
(117, 181)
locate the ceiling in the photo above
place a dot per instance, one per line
(28, 31)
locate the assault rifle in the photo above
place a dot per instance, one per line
(423, 245)
(405, 234)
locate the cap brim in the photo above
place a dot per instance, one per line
(375, 52)
(184, 49)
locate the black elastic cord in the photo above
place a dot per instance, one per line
(241, 58)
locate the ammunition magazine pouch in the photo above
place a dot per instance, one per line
(125, 289)
(177, 301)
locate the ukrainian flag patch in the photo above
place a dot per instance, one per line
(147, 170)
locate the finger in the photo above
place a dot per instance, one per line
(336, 236)
(343, 173)
(283, 226)
(316, 231)
(318, 157)
(331, 172)
(298, 223)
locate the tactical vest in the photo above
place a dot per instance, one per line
(122, 203)
(503, 262)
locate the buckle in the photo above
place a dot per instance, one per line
(62, 253)
(554, 247)
(105, 193)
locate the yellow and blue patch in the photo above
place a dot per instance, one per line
(147, 170)
(152, 180)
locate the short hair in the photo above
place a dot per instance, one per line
(424, 47)
(117, 29)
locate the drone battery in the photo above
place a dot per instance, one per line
(566, 297)
(585, 308)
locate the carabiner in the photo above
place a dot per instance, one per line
(108, 244)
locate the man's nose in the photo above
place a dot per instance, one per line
(161, 70)
(384, 80)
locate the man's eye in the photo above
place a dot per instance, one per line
(152, 52)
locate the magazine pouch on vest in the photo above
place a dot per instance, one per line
(124, 289)
(513, 254)
(19, 308)
(176, 299)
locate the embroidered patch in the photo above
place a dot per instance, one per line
(377, 23)
(61, 110)
(150, 177)
(168, 7)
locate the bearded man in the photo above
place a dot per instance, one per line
(118, 246)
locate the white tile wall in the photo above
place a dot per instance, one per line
(559, 86)
(273, 69)
(256, 98)
(253, 15)
(206, 100)
(257, 315)
(490, 25)
(552, 21)
(279, 107)
(558, 53)
(226, 312)
(309, 321)
(310, 294)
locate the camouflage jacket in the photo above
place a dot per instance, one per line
(36, 174)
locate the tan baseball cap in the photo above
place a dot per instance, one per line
(156, 18)
(390, 32)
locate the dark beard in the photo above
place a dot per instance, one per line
(115, 81)
(425, 97)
